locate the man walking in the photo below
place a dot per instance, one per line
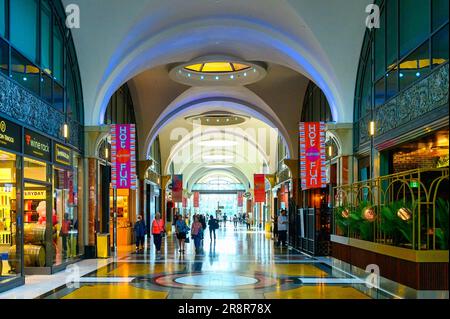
(282, 228)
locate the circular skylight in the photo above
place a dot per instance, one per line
(218, 70)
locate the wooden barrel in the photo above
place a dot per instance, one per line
(34, 256)
(34, 234)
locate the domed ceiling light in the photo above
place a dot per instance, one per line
(218, 70)
(218, 118)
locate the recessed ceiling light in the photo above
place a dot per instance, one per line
(202, 77)
(217, 77)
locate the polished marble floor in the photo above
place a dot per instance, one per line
(240, 264)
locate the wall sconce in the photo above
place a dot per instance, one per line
(106, 152)
(66, 130)
(372, 128)
(330, 150)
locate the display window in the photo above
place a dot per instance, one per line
(10, 247)
(66, 215)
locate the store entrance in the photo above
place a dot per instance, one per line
(40, 235)
(123, 222)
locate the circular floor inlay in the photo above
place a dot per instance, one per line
(214, 280)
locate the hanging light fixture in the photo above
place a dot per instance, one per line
(106, 152)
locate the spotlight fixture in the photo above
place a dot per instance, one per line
(404, 214)
(369, 214)
(345, 213)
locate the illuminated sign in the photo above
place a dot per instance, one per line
(63, 155)
(37, 145)
(10, 135)
(312, 155)
(34, 194)
(123, 155)
(414, 184)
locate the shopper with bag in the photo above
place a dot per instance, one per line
(158, 232)
(181, 230)
(197, 234)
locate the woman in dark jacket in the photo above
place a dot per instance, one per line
(139, 230)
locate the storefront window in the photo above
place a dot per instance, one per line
(380, 48)
(58, 54)
(392, 33)
(10, 246)
(426, 153)
(35, 170)
(24, 27)
(124, 229)
(66, 242)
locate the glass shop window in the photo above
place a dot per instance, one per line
(66, 215)
(35, 170)
(3, 18)
(10, 252)
(46, 40)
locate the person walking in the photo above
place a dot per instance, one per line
(282, 228)
(213, 225)
(247, 221)
(181, 230)
(196, 233)
(64, 233)
(157, 232)
(139, 231)
(275, 227)
(235, 222)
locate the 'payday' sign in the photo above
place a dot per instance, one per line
(123, 155)
(312, 155)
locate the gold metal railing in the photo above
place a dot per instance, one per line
(409, 205)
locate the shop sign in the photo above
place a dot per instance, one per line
(177, 188)
(240, 199)
(10, 135)
(312, 155)
(260, 188)
(196, 199)
(123, 155)
(37, 145)
(63, 155)
(34, 194)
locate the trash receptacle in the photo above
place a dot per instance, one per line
(103, 248)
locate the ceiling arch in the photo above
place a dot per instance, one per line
(202, 172)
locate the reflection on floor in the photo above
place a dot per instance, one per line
(239, 264)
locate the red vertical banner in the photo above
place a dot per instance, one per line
(185, 202)
(260, 188)
(240, 199)
(123, 156)
(312, 155)
(177, 188)
(196, 199)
